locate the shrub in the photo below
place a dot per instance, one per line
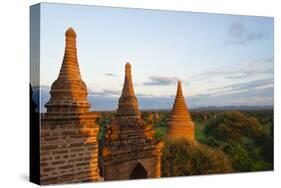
(181, 157)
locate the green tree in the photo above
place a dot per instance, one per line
(181, 157)
(242, 138)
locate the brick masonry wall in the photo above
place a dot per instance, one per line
(122, 171)
(69, 149)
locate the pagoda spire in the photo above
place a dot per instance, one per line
(69, 92)
(180, 123)
(128, 104)
(128, 89)
(69, 68)
(180, 108)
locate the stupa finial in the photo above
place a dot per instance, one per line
(70, 33)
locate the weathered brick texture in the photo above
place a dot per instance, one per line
(129, 149)
(69, 149)
(68, 140)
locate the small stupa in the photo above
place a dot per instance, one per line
(128, 103)
(129, 148)
(180, 124)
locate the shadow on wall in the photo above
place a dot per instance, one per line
(34, 140)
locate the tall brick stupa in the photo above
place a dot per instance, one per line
(68, 92)
(69, 148)
(180, 124)
(129, 149)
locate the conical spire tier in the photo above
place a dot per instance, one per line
(180, 123)
(70, 68)
(69, 92)
(128, 104)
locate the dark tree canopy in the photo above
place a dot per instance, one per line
(181, 157)
(233, 126)
(243, 138)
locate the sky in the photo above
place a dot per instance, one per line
(222, 60)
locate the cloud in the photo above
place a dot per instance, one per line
(110, 74)
(250, 97)
(261, 66)
(100, 103)
(161, 81)
(236, 76)
(245, 86)
(236, 30)
(238, 34)
(267, 60)
(111, 92)
(104, 92)
(144, 95)
(254, 36)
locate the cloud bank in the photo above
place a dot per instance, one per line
(238, 34)
(161, 81)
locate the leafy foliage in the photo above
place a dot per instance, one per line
(160, 126)
(102, 121)
(160, 132)
(181, 157)
(199, 131)
(243, 139)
